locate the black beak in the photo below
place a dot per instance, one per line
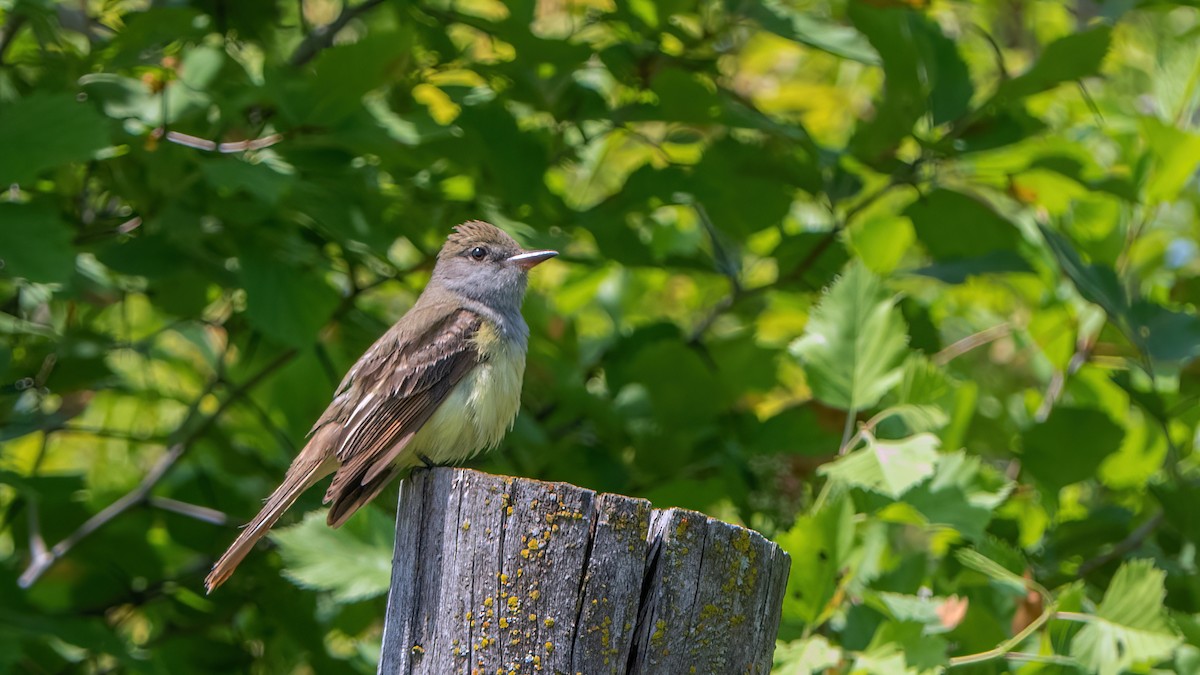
(528, 259)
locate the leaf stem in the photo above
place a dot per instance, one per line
(1004, 648)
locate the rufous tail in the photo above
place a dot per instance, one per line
(308, 468)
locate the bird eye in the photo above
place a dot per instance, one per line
(478, 253)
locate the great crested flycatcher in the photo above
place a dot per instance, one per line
(441, 385)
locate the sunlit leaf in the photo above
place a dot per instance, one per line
(802, 657)
(1130, 626)
(888, 467)
(854, 341)
(818, 544)
(353, 562)
(786, 21)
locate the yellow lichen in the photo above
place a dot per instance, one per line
(660, 631)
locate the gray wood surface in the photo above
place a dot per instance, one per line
(494, 574)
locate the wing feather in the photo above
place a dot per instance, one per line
(406, 384)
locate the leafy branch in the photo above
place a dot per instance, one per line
(44, 559)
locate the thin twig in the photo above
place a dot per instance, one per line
(202, 513)
(1058, 381)
(970, 342)
(848, 430)
(1004, 648)
(726, 264)
(40, 564)
(322, 36)
(229, 147)
(1123, 547)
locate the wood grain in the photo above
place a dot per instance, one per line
(504, 575)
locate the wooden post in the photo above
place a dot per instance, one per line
(494, 574)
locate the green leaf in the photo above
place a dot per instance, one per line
(286, 304)
(962, 495)
(343, 75)
(1130, 627)
(903, 102)
(960, 270)
(228, 175)
(992, 569)
(34, 244)
(853, 343)
(1073, 57)
(807, 29)
(1069, 446)
(955, 226)
(923, 651)
(43, 131)
(1174, 154)
(354, 562)
(200, 66)
(943, 67)
(1167, 337)
(803, 657)
(918, 418)
(759, 175)
(885, 659)
(909, 609)
(684, 97)
(818, 544)
(888, 467)
(1096, 283)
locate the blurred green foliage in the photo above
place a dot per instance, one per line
(910, 287)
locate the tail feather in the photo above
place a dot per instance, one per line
(305, 470)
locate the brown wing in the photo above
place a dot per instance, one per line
(394, 389)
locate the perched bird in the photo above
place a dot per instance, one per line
(441, 385)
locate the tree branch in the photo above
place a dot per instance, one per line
(46, 559)
(1123, 547)
(322, 36)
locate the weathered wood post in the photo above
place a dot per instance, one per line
(493, 574)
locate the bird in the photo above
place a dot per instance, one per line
(440, 386)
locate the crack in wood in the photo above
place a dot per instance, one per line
(504, 575)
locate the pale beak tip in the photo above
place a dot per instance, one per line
(529, 259)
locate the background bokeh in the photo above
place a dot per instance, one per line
(908, 286)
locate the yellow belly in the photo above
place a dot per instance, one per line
(478, 411)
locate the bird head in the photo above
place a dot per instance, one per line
(482, 262)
